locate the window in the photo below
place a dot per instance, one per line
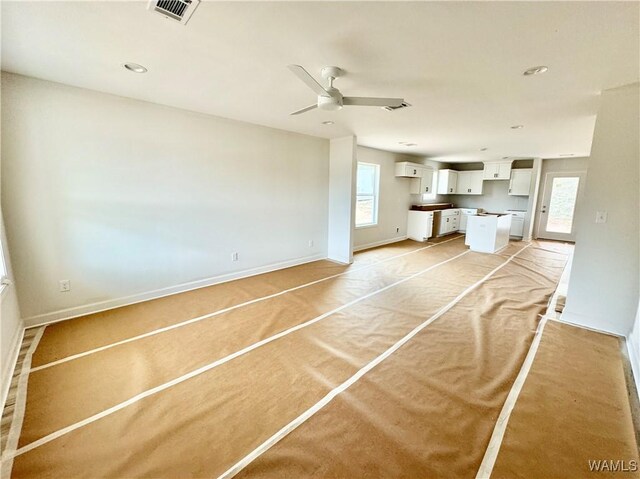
(368, 180)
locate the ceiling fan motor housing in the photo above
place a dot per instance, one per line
(330, 103)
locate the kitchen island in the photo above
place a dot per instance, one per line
(488, 232)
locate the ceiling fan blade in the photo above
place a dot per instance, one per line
(308, 79)
(368, 101)
(305, 109)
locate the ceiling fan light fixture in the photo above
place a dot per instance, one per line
(535, 70)
(330, 103)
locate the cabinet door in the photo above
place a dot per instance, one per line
(412, 171)
(462, 187)
(500, 170)
(504, 171)
(426, 182)
(443, 182)
(452, 183)
(408, 170)
(490, 171)
(476, 180)
(520, 181)
(517, 227)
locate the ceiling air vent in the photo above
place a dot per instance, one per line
(178, 10)
(404, 104)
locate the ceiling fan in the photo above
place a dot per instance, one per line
(330, 98)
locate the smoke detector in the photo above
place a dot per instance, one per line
(178, 10)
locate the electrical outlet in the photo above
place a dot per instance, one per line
(310, 243)
(398, 230)
(64, 285)
(235, 257)
(601, 216)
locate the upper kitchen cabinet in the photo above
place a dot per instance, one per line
(497, 170)
(447, 181)
(520, 182)
(409, 170)
(423, 184)
(469, 182)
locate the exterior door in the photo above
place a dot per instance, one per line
(558, 207)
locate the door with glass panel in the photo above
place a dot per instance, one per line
(560, 198)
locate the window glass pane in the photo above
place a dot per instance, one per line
(564, 193)
(364, 210)
(366, 179)
(367, 194)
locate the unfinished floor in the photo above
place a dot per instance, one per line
(418, 360)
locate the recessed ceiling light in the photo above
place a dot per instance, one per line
(135, 68)
(410, 144)
(328, 122)
(484, 149)
(567, 154)
(535, 70)
(517, 127)
(505, 157)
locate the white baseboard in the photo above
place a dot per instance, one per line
(635, 364)
(69, 313)
(379, 243)
(583, 321)
(8, 368)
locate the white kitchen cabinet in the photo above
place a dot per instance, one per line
(420, 225)
(447, 180)
(520, 182)
(423, 184)
(407, 169)
(517, 222)
(469, 182)
(497, 170)
(448, 221)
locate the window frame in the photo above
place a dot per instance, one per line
(375, 196)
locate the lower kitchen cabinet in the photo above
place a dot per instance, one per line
(447, 221)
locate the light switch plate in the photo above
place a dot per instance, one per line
(601, 216)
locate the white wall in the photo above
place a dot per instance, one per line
(124, 197)
(560, 165)
(604, 285)
(633, 345)
(11, 325)
(394, 200)
(342, 198)
(532, 200)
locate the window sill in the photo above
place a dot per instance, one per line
(362, 227)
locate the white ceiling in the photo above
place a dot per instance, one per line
(459, 64)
